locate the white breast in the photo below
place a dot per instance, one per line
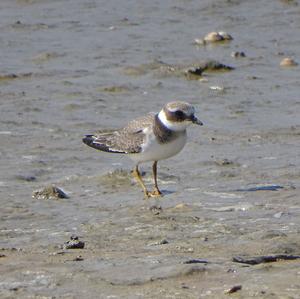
(154, 151)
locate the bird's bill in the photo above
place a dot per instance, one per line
(196, 121)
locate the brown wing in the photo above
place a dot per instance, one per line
(126, 141)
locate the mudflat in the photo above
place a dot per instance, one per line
(73, 222)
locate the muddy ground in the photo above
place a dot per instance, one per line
(69, 68)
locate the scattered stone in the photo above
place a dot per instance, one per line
(218, 88)
(14, 76)
(156, 210)
(214, 37)
(237, 54)
(233, 289)
(191, 71)
(74, 243)
(288, 62)
(196, 261)
(26, 177)
(278, 215)
(78, 258)
(162, 242)
(196, 71)
(225, 35)
(185, 249)
(38, 26)
(12, 249)
(224, 162)
(264, 259)
(213, 65)
(50, 192)
(2, 255)
(184, 286)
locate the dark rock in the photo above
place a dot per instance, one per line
(50, 192)
(237, 54)
(78, 258)
(156, 210)
(233, 289)
(74, 243)
(264, 259)
(26, 178)
(196, 261)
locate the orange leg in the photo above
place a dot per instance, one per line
(138, 177)
(156, 191)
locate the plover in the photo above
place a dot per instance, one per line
(152, 137)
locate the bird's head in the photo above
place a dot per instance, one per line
(177, 116)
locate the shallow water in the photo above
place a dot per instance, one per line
(233, 190)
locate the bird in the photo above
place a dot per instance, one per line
(152, 137)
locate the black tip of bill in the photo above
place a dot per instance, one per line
(196, 121)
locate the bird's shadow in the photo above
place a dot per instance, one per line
(167, 192)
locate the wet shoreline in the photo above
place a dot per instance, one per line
(233, 192)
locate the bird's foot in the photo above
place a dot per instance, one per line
(154, 193)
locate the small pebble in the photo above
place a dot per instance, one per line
(74, 243)
(196, 261)
(224, 162)
(220, 88)
(287, 62)
(26, 177)
(50, 192)
(233, 289)
(236, 54)
(184, 286)
(78, 258)
(197, 71)
(213, 37)
(225, 35)
(278, 215)
(156, 210)
(162, 242)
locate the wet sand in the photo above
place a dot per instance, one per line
(69, 68)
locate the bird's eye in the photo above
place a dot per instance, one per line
(179, 114)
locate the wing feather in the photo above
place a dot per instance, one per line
(128, 140)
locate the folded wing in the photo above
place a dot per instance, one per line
(128, 140)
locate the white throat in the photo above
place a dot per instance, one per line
(174, 126)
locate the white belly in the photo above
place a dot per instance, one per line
(154, 151)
